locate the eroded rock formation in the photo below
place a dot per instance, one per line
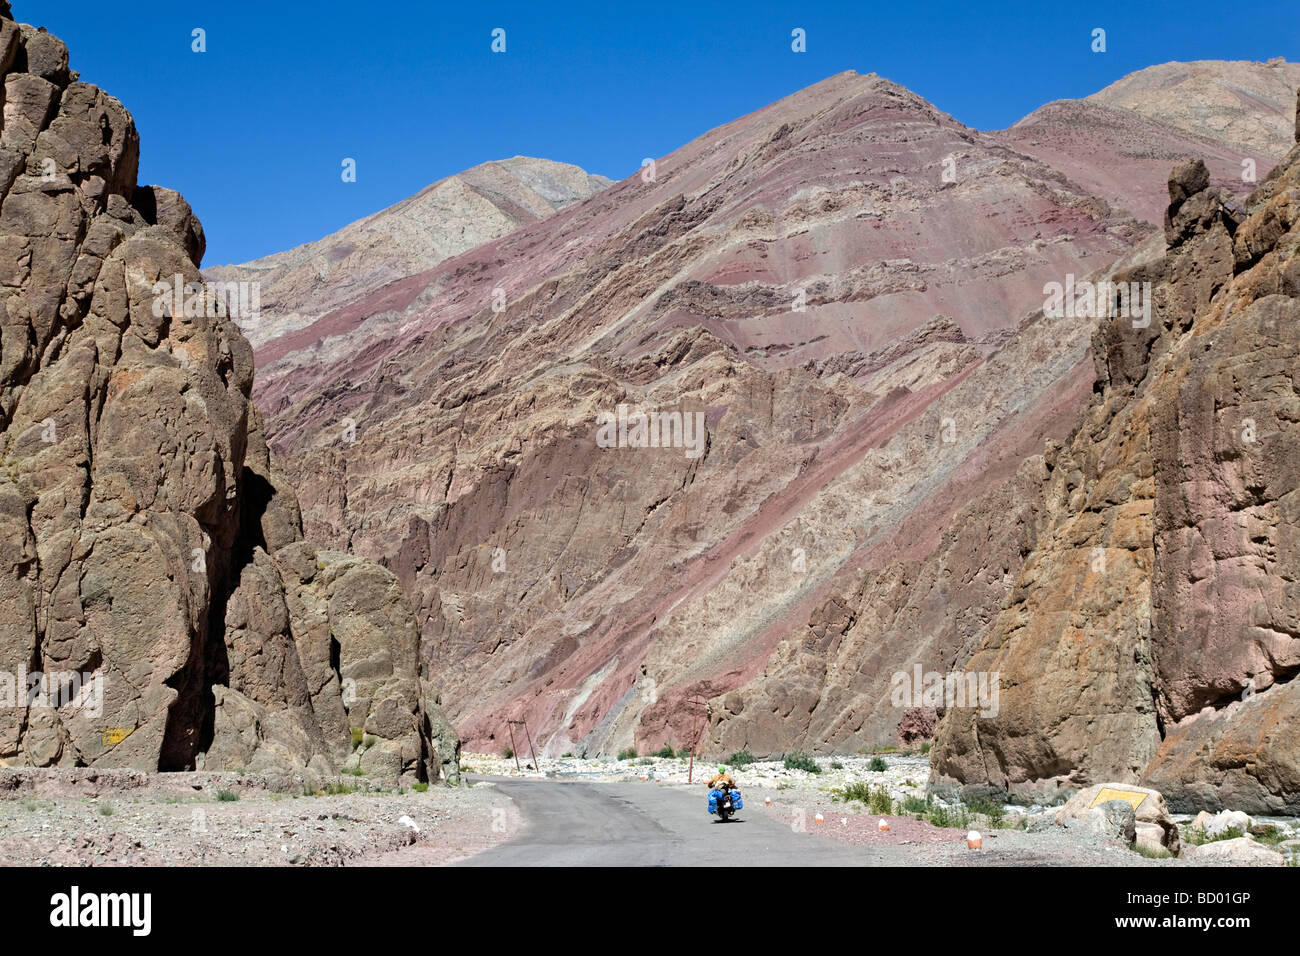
(149, 546)
(1154, 631)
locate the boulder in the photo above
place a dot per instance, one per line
(1150, 837)
(1113, 820)
(1241, 851)
(1224, 821)
(1187, 179)
(1151, 810)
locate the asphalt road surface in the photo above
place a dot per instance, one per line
(579, 823)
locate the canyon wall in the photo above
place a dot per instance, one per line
(154, 587)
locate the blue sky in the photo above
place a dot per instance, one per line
(253, 131)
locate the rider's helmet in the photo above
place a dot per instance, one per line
(722, 770)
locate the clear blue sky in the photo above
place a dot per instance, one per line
(254, 130)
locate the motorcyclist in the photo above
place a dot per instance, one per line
(719, 778)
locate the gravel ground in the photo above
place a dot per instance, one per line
(106, 818)
(905, 774)
(921, 843)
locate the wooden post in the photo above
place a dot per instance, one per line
(536, 765)
(690, 770)
(513, 751)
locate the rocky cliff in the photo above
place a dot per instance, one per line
(1152, 633)
(158, 608)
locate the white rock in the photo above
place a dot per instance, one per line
(1227, 820)
(1240, 851)
(1150, 836)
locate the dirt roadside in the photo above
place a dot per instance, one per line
(87, 817)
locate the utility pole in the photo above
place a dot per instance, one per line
(536, 766)
(690, 770)
(514, 751)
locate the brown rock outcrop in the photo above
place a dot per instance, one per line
(150, 568)
(1153, 632)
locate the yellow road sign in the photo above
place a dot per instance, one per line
(1128, 796)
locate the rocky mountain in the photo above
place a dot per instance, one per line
(1120, 143)
(846, 289)
(158, 607)
(449, 217)
(1152, 630)
(931, 606)
(831, 283)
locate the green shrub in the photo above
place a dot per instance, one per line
(627, 754)
(854, 790)
(836, 765)
(357, 733)
(1268, 834)
(665, 751)
(1152, 853)
(877, 765)
(741, 758)
(106, 809)
(338, 788)
(914, 804)
(802, 761)
(420, 786)
(881, 802)
(949, 817)
(991, 810)
(877, 799)
(227, 796)
(507, 753)
(925, 747)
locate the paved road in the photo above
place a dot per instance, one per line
(579, 823)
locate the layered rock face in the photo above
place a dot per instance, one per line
(1152, 633)
(153, 580)
(298, 286)
(832, 285)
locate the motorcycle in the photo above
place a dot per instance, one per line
(725, 801)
